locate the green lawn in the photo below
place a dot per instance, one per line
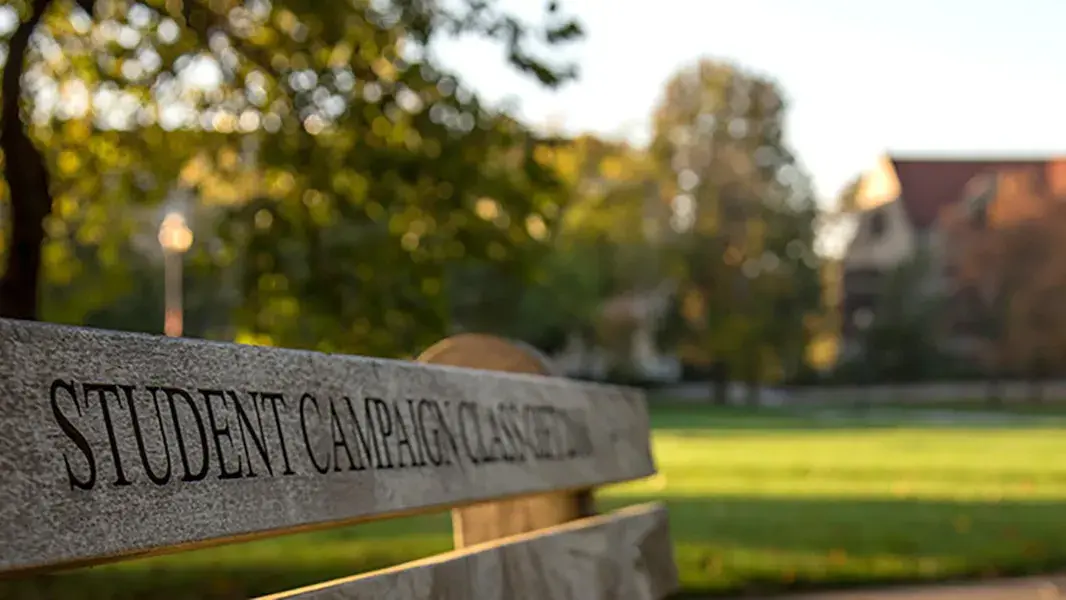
(758, 499)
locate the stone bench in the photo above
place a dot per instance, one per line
(116, 445)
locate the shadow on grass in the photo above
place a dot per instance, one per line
(758, 545)
(248, 569)
(723, 546)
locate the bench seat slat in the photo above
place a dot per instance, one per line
(625, 555)
(230, 441)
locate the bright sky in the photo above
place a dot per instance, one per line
(928, 76)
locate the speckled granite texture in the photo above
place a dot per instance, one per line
(622, 556)
(117, 444)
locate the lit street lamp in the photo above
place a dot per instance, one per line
(175, 237)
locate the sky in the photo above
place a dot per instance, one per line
(863, 78)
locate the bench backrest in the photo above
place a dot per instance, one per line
(116, 445)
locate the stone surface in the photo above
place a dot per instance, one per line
(235, 440)
(623, 556)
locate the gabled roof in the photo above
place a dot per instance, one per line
(927, 185)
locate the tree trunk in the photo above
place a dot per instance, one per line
(27, 181)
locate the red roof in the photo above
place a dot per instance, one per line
(928, 185)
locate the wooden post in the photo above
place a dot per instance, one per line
(502, 518)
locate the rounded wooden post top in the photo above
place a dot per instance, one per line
(488, 352)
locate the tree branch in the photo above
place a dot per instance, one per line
(27, 180)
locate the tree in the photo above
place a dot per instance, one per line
(1009, 266)
(27, 178)
(372, 164)
(599, 247)
(745, 215)
(897, 346)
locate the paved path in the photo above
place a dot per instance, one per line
(1033, 588)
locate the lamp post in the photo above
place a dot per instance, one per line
(175, 237)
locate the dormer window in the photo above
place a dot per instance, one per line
(877, 224)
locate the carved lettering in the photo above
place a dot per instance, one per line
(243, 433)
(139, 435)
(177, 393)
(274, 400)
(364, 437)
(470, 432)
(403, 441)
(250, 432)
(449, 430)
(102, 390)
(76, 436)
(339, 440)
(416, 434)
(381, 422)
(429, 423)
(306, 401)
(219, 430)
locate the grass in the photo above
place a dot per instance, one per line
(760, 500)
(768, 500)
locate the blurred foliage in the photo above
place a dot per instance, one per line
(339, 175)
(600, 237)
(347, 194)
(1007, 259)
(898, 345)
(749, 288)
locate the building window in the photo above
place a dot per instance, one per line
(878, 224)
